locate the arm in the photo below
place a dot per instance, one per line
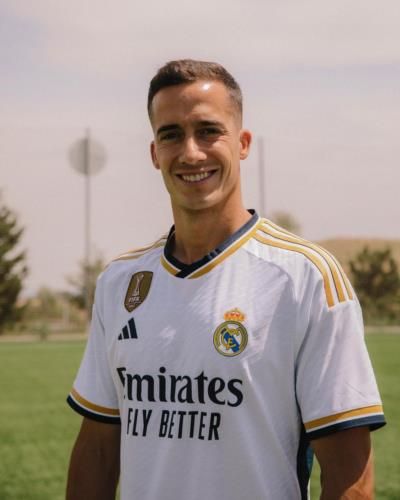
(346, 464)
(94, 467)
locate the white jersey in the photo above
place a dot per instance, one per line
(222, 371)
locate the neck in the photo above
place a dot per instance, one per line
(200, 231)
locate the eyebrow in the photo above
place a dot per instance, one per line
(208, 123)
(202, 123)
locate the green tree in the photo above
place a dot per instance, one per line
(286, 221)
(13, 268)
(376, 279)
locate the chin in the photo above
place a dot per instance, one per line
(202, 205)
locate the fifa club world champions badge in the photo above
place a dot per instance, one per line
(230, 338)
(138, 290)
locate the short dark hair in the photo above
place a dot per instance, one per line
(189, 71)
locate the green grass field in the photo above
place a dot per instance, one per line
(385, 354)
(37, 429)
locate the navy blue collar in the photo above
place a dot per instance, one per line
(186, 269)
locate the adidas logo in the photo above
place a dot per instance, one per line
(128, 331)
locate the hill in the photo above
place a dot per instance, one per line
(344, 249)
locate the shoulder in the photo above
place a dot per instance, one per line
(131, 260)
(307, 263)
(137, 253)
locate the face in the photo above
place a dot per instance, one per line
(198, 144)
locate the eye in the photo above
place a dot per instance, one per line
(170, 136)
(209, 132)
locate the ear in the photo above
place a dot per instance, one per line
(154, 156)
(245, 142)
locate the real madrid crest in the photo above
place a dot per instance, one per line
(138, 290)
(230, 338)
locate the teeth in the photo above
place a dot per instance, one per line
(196, 177)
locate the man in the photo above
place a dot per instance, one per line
(226, 349)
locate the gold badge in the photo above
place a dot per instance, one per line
(230, 338)
(138, 290)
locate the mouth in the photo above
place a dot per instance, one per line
(198, 177)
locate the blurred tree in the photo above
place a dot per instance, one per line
(376, 279)
(12, 267)
(46, 304)
(51, 311)
(286, 221)
(86, 276)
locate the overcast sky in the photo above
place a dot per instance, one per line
(321, 82)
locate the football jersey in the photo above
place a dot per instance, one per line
(221, 372)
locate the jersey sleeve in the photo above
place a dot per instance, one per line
(335, 382)
(93, 394)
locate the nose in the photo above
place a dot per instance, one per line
(191, 153)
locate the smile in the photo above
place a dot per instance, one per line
(196, 177)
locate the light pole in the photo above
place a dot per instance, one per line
(87, 157)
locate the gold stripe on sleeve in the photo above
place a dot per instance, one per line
(344, 278)
(138, 254)
(147, 247)
(278, 228)
(342, 273)
(345, 415)
(90, 406)
(334, 268)
(310, 256)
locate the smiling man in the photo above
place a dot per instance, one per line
(222, 355)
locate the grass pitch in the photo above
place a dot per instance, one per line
(385, 354)
(37, 429)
